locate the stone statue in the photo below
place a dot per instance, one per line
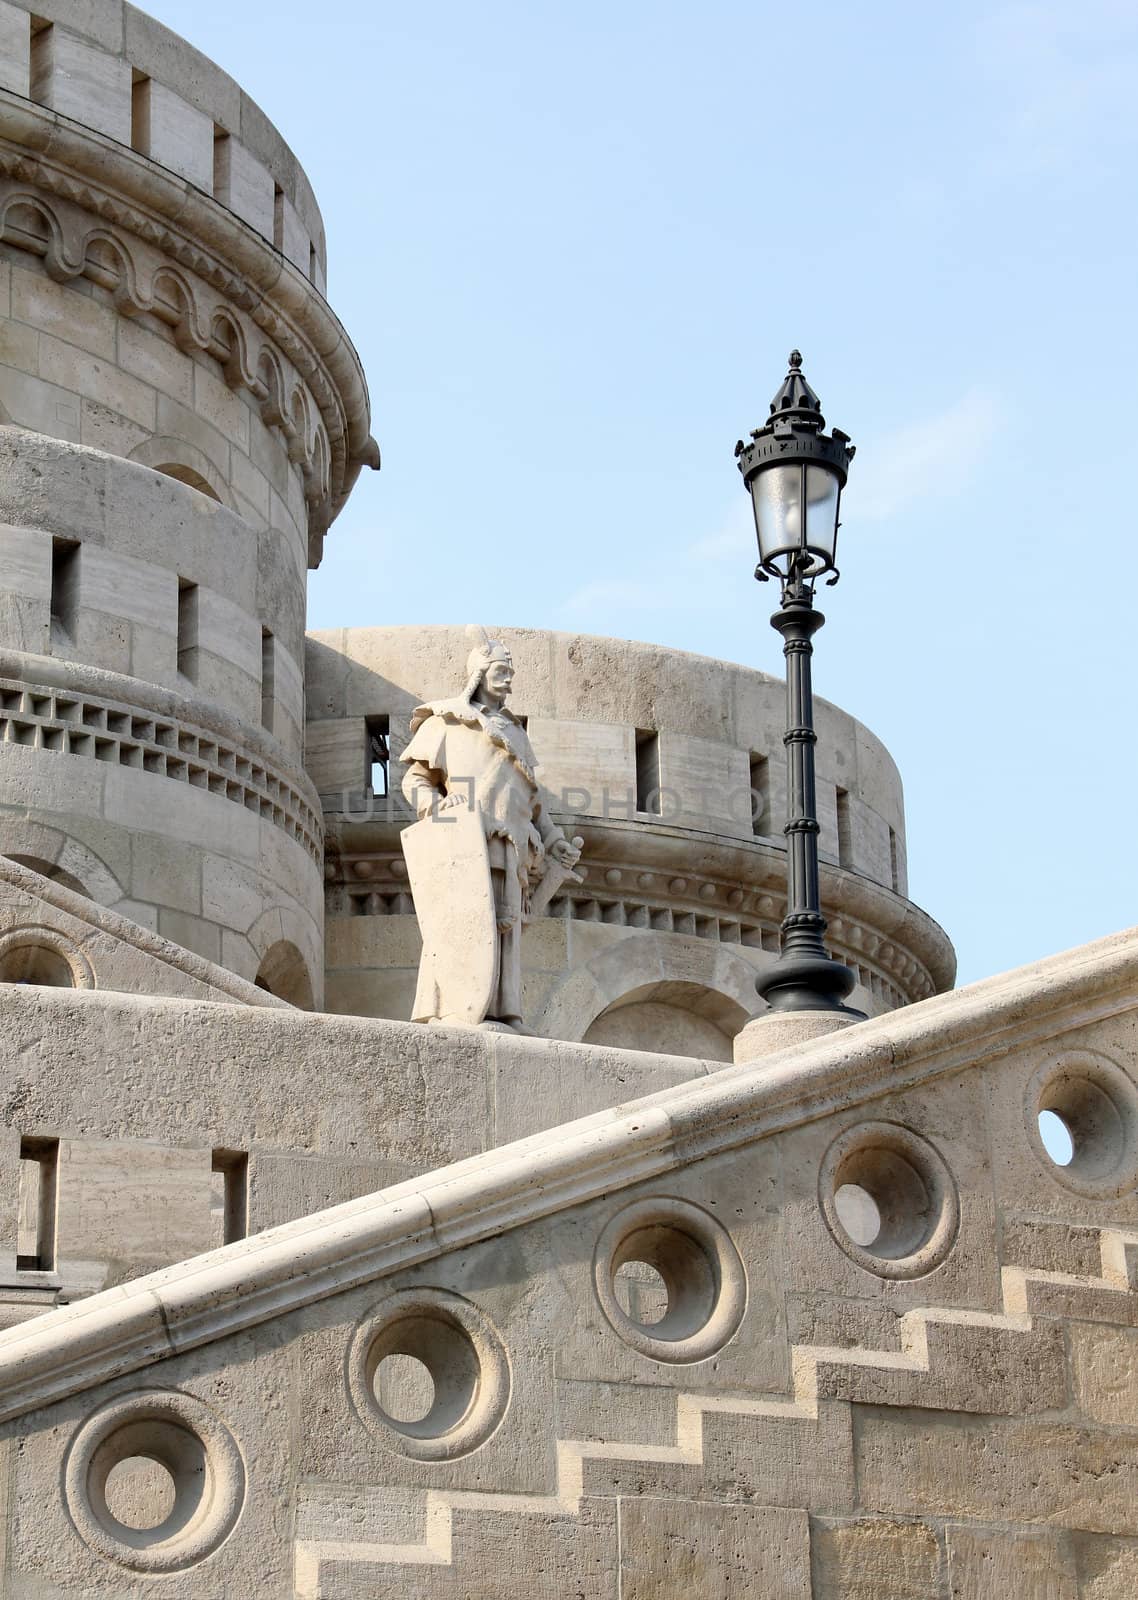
(485, 854)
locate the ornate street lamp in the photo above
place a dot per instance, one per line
(796, 474)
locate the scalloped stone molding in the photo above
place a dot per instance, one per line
(208, 249)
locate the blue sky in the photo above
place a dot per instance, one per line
(574, 245)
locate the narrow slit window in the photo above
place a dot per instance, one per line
(187, 628)
(221, 159)
(895, 862)
(35, 1230)
(278, 216)
(379, 754)
(140, 112)
(648, 771)
(229, 1196)
(845, 843)
(64, 589)
(760, 795)
(312, 263)
(268, 679)
(40, 64)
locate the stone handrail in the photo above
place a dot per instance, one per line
(301, 1262)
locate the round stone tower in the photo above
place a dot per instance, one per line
(184, 418)
(671, 768)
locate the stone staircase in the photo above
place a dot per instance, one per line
(1005, 1363)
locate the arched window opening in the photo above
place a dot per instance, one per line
(187, 475)
(283, 973)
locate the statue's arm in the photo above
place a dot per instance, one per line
(423, 786)
(566, 852)
(548, 830)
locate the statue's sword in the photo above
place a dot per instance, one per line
(550, 882)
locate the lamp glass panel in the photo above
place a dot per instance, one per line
(821, 510)
(777, 496)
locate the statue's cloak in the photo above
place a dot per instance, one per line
(486, 757)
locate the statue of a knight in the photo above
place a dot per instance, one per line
(483, 842)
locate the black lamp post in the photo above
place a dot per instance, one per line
(796, 474)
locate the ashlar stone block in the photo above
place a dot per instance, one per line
(174, 133)
(243, 184)
(993, 1563)
(677, 1549)
(878, 1559)
(126, 1202)
(15, 49)
(79, 80)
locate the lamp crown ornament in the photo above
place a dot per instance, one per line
(795, 473)
(795, 399)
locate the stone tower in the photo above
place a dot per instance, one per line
(197, 416)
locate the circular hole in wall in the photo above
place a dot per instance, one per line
(429, 1374)
(404, 1389)
(1056, 1136)
(669, 1280)
(889, 1200)
(140, 1492)
(32, 963)
(154, 1481)
(858, 1213)
(43, 956)
(1085, 1108)
(641, 1293)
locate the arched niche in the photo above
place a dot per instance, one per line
(184, 463)
(707, 979)
(283, 973)
(673, 1018)
(60, 858)
(53, 871)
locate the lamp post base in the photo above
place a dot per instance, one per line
(766, 1035)
(809, 983)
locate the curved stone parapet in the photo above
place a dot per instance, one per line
(670, 767)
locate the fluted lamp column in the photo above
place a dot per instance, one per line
(795, 474)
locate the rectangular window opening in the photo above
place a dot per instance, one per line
(40, 57)
(220, 164)
(648, 771)
(140, 112)
(64, 589)
(35, 1229)
(187, 628)
(229, 1196)
(760, 795)
(895, 862)
(379, 754)
(312, 263)
(845, 842)
(278, 216)
(268, 679)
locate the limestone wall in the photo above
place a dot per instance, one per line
(684, 864)
(828, 1327)
(138, 1096)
